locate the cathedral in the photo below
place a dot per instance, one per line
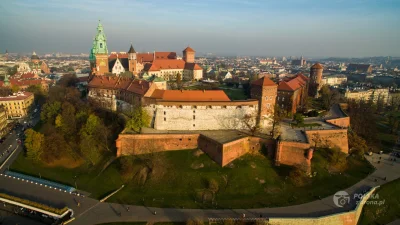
(165, 65)
(35, 66)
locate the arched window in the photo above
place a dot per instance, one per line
(101, 45)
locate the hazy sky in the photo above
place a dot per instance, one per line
(311, 28)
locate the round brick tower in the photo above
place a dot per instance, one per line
(315, 79)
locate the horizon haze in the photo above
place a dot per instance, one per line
(223, 27)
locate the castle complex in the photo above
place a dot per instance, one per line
(186, 119)
(165, 65)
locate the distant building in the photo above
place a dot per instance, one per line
(359, 68)
(35, 66)
(3, 121)
(299, 62)
(334, 80)
(268, 62)
(18, 104)
(369, 95)
(292, 93)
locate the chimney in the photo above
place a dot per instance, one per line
(154, 55)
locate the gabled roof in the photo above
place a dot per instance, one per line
(190, 95)
(117, 55)
(131, 50)
(189, 49)
(124, 62)
(293, 84)
(264, 81)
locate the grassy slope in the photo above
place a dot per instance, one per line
(180, 184)
(87, 178)
(389, 211)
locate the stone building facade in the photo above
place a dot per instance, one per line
(17, 105)
(3, 121)
(185, 109)
(373, 95)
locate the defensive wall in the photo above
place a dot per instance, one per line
(300, 153)
(345, 218)
(221, 153)
(167, 115)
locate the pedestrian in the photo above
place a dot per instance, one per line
(155, 213)
(260, 215)
(127, 208)
(244, 215)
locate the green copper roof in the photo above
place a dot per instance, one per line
(99, 43)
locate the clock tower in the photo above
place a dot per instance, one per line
(99, 52)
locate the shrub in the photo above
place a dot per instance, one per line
(213, 185)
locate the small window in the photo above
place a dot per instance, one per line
(268, 105)
(165, 119)
(194, 125)
(165, 113)
(180, 139)
(190, 139)
(194, 117)
(194, 111)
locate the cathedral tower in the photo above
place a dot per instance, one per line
(132, 60)
(188, 55)
(315, 79)
(99, 52)
(34, 58)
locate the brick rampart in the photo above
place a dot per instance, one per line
(329, 138)
(343, 122)
(133, 144)
(221, 153)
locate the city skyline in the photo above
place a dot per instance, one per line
(240, 27)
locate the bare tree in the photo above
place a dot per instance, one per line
(251, 123)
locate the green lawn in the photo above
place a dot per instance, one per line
(252, 182)
(386, 213)
(235, 94)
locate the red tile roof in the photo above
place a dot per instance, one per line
(118, 55)
(191, 95)
(166, 64)
(189, 49)
(128, 84)
(293, 84)
(264, 81)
